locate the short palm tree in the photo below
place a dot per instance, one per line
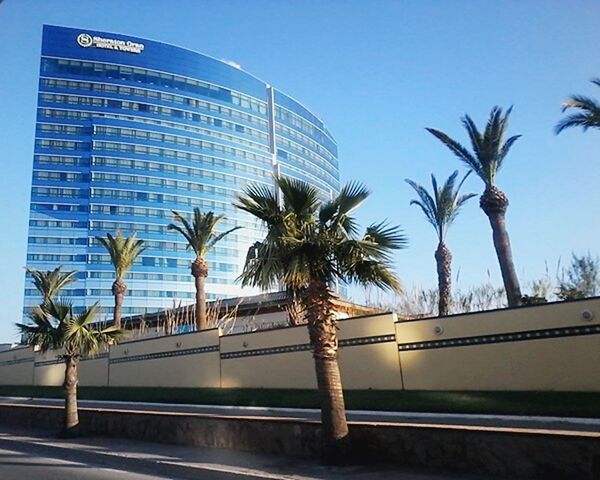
(441, 210)
(55, 327)
(489, 152)
(588, 114)
(201, 236)
(50, 282)
(123, 253)
(308, 246)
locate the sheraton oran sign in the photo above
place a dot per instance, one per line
(85, 40)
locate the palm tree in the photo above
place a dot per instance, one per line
(55, 327)
(123, 253)
(50, 282)
(201, 237)
(441, 210)
(489, 151)
(308, 246)
(587, 116)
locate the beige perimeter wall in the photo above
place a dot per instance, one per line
(547, 347)
(282, 359)
(186, 360)
(16, 366)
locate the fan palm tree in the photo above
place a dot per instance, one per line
(201, 236)
(441, 210)
(308, 246)
(55, 327)
(587, 116)
(123, 253)
(489, 152)
(50, 282)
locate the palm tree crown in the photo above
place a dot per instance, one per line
(587, 116)
(50, 282)
(489, 147)
(201, 232)
(308, 240)
(442, 208)
(54, 326)
(123, 251)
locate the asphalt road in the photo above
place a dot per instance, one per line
(26, 455)
(16, 465)
(493, 421)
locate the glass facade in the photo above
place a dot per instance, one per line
(130, 129)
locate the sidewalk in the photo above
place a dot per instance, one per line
(565, 424)
(176, 462)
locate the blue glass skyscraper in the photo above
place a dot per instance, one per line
(130, 129)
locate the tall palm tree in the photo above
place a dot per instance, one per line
(50, 282)
(308, 246)
(441, 210)
(201, 236)
(489, 152)
(123, 253)
(55, 327)
(587, 116)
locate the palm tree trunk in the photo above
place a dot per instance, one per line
(322, 329)
(443, 258)
(119, 288)
(200, 272)
(494, 203)
(70, 388)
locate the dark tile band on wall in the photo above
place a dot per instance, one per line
(16, 361)
(303, 347)
(56, 361)
(99, 356)
(45, 363)
(172, 353)
(351, 342)
(503, 338)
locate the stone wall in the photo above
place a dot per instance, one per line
(504, 452)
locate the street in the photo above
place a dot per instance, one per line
(16, 465)
(28, 455)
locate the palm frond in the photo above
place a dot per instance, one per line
(50, 282)
(588, 115)
(200, 233)
(55, 327)
(461, 152)
(386, 237)
(374, 273)
(442, 206)
(220, 236)
(489, 147)
(260, 201)
(299, 197)
(123, 251)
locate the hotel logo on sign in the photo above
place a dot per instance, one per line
(85, 40)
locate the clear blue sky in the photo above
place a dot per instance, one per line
(377, 72)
